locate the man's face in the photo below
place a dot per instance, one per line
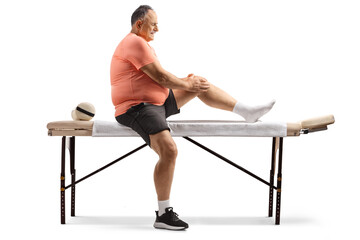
(149, 26)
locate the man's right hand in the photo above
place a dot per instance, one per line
(197, 83)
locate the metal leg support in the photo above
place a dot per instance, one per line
(72, 171)
(62, 181)
(279, 179)
(275, 143)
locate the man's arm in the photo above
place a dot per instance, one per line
(191, 83)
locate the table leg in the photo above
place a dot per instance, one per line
(62, 181)
(279, 180)
(73, 176)
(275, 144)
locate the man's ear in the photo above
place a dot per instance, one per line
(138, 24)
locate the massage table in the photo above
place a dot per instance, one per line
(68, 130)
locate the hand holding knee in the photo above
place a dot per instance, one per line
(197, 83)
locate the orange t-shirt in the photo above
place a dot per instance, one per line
(129, 85)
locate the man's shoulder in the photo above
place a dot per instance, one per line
(132, 39)
(134, 47)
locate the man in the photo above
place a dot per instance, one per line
(144, 95)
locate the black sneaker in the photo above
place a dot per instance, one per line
(169, 220)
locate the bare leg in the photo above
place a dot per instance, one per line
(163, 144)
(214, 97)
(217, 98)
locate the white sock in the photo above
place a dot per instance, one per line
(252, 113)
(163, 205)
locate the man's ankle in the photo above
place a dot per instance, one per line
(163, 205)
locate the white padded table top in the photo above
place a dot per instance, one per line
(199, 128)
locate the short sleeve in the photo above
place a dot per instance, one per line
(139, 53)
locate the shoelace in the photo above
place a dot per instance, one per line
(174, 215)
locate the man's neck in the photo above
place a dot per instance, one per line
(135, 31)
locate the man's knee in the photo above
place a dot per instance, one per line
(169, 151)
(163, 144)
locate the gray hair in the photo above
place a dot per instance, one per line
(139, 13)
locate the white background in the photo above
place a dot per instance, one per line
(305, 54)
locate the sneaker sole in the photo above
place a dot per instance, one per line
(161, 225)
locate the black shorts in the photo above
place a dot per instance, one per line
(147, 119)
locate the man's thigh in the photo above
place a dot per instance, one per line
(145, 120)
(182, 97)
